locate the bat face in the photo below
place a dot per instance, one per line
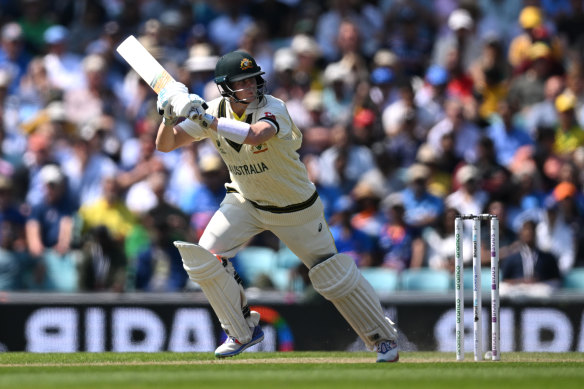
(144, 63)
(149, 69)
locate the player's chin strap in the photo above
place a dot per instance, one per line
(339, 280)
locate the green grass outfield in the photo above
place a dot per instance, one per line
(313, 370)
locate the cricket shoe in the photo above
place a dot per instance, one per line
(387, 351)
(233, 346)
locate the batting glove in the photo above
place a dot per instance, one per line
(188, 105)
(170, 93)
(168, 117)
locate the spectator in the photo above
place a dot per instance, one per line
(466, 133)
(440, 181)
(49, 233)
(12, 238)
(382, 92)
(158, 265)
(35, 19)
(135, 181)
(528, 264)
(544, 113)
(348, 238)
(204, 199)
(531, 20)
(367, 216)
(507, 135)
(85, 102)
(329, 194)
(462, 39)
(403, 107)
(527, 196)
(343, 163)
(87, 25)
(557, 230)
(199, 69)
(410, 40)
(366, 127)
(422, 209)
(432, 94)
(88, 165)
(14, 57)
(328, 26)
(106, 223)
(36, 90)
(527, 89)
(406, 140)
(439, 240)
(401, 246)
(574, 83)
(309, 54)
(469, 198)
(387, 176)
(64, 68)
(27, 182)
(337, 97)
(227, 28)
(498, 17)
(495, 178)
(569, 133)
(490, 74)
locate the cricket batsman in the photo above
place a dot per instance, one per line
(269, 190)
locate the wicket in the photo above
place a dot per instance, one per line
(476, 282)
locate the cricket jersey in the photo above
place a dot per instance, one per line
(270, 176)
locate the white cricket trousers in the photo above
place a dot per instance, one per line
(234, 224)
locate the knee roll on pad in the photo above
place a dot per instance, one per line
(338, 280)
(222, 291)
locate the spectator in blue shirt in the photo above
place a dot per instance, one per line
(204, 199)
(13, 56)
(422, 209)
(507, 136)
(49, 233)
(401, 246)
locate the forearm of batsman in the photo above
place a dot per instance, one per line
(259, 133)
(170, 138)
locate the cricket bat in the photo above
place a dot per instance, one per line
(147, 67)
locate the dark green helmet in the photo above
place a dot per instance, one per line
(236, 66)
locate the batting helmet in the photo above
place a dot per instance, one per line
(237, 66)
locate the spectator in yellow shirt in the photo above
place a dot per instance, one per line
(106, 223)
(531, 20)
(569, 133)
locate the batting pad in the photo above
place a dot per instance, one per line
(339, 280)
(221, 289)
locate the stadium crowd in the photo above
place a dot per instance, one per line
(412, 111)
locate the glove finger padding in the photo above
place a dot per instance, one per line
(169, 92)
(196, 113)
(168, 116)
(184, 104)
